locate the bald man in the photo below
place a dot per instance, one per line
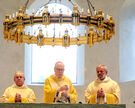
(58, 88)
(18, 92)
(103, 90)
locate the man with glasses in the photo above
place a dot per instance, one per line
(58, 88)
(18, 92)
(103, 90)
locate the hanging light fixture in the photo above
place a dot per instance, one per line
(99, 28)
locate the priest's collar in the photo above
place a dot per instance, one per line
(106, 78)
(58, 78)
(15, 86)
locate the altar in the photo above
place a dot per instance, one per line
(43, 105)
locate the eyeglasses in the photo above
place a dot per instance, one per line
(19, 77)
(58, 69)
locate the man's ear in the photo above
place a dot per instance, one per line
(106, 72)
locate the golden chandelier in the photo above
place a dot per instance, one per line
(99, 28)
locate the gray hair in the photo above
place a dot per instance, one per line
(104, 66)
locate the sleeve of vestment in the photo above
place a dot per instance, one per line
(12, 100)
(49, 93)
(110, 99)
(72, 93)
(116, 93)
(5, 96)
(31, 98)
(88, 94)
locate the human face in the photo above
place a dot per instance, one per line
(101, 73)
(59, 70)
(19, 79)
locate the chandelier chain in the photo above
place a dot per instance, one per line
(25, 6)
(89, 7)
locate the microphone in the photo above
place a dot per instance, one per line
(68, 98)
(80, 102)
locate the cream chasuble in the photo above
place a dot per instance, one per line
(110, 88)
(27, 94)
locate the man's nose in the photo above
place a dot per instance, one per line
(19, 77)
(61, 70)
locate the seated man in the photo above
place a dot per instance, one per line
(103, 89)
(58, 88)
(18, 92)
